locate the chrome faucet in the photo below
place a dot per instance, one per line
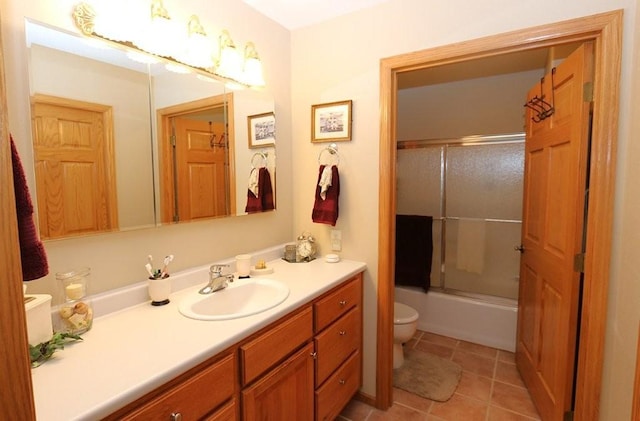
(217, 280)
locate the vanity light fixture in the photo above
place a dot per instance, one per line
(151, 30)
(161, 36)
(229, 61)
(252, 72)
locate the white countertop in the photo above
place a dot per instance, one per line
(131, 351)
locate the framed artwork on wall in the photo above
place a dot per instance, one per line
(262, 130)
(331, 122)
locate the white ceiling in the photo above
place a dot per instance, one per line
(293, 14)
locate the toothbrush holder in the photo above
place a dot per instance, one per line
(159, 290)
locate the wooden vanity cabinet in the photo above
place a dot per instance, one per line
(338, 344)
(305, 366)
(277, 370)
(192, 396)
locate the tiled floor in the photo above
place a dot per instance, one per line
(490, 388)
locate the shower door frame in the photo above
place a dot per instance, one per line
(475, 140)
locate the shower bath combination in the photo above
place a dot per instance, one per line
(472, 188)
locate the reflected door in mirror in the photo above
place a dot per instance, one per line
(201, 169)
(75, 180)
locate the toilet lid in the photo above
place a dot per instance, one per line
(402, 313)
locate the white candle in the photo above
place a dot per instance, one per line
(74, 291)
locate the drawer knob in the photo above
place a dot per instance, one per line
(341, 381)
(343, 303)
(343, 332)
(176, 416)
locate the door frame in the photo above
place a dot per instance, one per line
(605, 30)
(165, 152)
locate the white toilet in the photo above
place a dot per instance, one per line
(405, 321)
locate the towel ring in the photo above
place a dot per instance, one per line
(331, 150)
(261, 155)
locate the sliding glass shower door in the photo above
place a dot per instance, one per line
(473, 189)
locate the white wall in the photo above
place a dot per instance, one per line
(340, 60)
(118, 259)
(480, 106)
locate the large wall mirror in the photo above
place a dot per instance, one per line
(120, 143)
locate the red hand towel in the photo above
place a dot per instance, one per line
(326, 211)
(32, 253)
(264, 200)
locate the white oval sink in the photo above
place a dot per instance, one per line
(240, 299)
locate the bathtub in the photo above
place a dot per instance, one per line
(484, 320)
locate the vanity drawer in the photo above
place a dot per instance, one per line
(338, 303)
(338, 390)
(193, 398)
(261, 353)
(336, 343)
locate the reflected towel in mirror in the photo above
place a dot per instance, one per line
(264, 199)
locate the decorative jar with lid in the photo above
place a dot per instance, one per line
(76, 312)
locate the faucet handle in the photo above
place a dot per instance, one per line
(217, 269)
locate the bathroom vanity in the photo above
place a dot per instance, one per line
(298, 360)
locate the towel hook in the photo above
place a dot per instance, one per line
(260, 155)
(542, 108)
(332, 149)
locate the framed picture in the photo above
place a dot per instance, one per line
(262, 130)
(331, 122)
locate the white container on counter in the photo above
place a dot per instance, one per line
(38, 309)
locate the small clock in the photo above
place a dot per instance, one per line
(305, 248)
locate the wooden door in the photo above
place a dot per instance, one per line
(201, 168)
(75, 172)
(555, 181)
(286, 393)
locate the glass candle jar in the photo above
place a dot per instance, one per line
(76, 312)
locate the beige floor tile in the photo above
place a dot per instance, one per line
(356, 411)
(478, 349)
(474, 386)
(412, 401)
(506, 356)
(490, 389)
(436, 349)
(439, 339)
(460, 408)
(508, 373)
(398, 412)
(478, 364)
(499, 414)
(513, 398)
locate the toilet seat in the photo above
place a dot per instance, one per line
(403, 314)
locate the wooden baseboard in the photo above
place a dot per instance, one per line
(368, 399)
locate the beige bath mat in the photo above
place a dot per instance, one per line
(427, 375)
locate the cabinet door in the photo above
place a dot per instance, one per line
(285, 393)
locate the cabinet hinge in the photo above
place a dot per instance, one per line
(578, 262)
(587, 92)
(568, 416)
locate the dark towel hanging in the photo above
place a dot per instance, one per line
(32, 253)
(264, 200)
(414, 250)
(325, 211)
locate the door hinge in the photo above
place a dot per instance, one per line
(568, 416)
(172, 139)
(587, 92)
(578, 262)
